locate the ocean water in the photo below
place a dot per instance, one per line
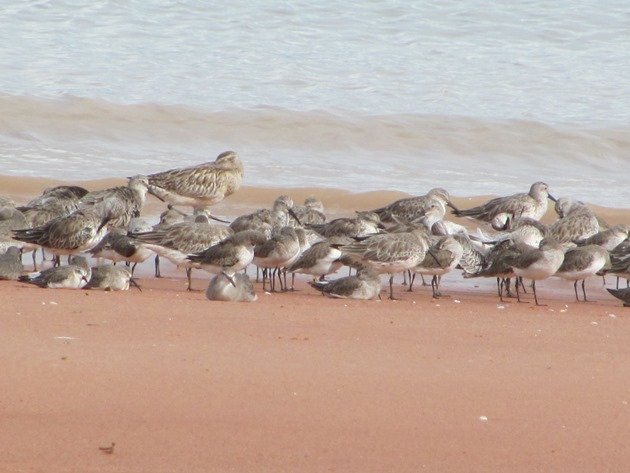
(476, 97)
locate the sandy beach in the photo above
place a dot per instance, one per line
(299, 382)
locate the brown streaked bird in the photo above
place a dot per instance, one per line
(78, 232)
(229, 255)
(622, 294)
(578, 223)
(442, 258)
(581, 263)
(312, 212)
(414, 208)
(344, 229)
(501, 211)
(199, 186)
(175, 242)
(364, 285)
(495, 265)
(391, 253)
(537, 263)
(121, 203)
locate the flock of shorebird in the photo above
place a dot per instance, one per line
(410, 236)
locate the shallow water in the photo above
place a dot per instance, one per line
(473, 97)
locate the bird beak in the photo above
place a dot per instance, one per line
(453, 206)
(552, 198)
(229, 278)
(292, 214)
(133, 282)
(435, 258)
(104, 222)
(218, 219)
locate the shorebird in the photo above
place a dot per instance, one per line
(229, 255)
(609, 238)
(176, 242)
(11, 219)
(280, 251)
(111, 278)
(231, 287)
(199, 186)
(578, 223)
(442, 258)
(73, 276)
(581, 263)
(10, 263)
(391, 253)
(268, 221)
(319, 260)
(312, 212)
(117, 247)
(537, 263)
(54, 202)
(120, 203)
(622, 294)
(76, 233)
(414, 208)
(501, 211)
(366, 284)
(344, 230)
(496, 265)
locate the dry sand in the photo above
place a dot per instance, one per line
(299, 382)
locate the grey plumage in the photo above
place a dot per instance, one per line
(10, 264)
(235, 287)
(622, 294)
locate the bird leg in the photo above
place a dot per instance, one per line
(535, 297)
(412, 278)
(391, 287)
(157, 267)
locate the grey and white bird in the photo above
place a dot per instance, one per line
(76, 275)
(581, 263)
(319, 260)
(111, 278)
(199, 186)
(444, 255)
(230, 255)
(235, 287)
(11, 266)
(116, 247)
(499, 212)
(176, 242)
(537, 263)
(277, 253)
(364, 285)
(622, 294)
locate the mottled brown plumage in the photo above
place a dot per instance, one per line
(199, 186)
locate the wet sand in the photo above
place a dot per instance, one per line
(299, 382)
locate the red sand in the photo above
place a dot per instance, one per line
(299, 382)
